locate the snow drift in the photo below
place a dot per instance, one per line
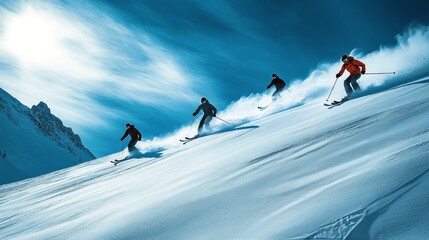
(357, 171)
(409, 59)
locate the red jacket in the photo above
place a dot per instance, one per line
(133, 132)
(352, 65)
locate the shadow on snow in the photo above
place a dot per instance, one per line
(224, 130)
(155, 153)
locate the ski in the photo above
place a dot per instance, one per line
(187, 139)
(116, 161)
(334, 103)
(263, 107)
(191, 138)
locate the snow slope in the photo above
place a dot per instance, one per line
(357, 171)
(34, 142)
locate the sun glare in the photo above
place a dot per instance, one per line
(33, 37)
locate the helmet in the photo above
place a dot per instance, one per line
(203, 99)
(344, 57)
(127, 125)
(273, 75)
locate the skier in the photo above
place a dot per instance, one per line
(280, 86)
(209, 112)
(355, 68)
(135, 137)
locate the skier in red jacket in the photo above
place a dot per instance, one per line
(355, 68)
(135, 137)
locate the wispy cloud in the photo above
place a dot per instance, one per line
(72, 61)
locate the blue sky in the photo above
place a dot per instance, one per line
(101, 64)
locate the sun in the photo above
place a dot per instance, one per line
(33, 37)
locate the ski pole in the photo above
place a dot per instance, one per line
(381, 73)
(192, 123)
(332, 89)
(225, 121)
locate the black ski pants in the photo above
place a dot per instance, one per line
(276, 94)
(351, 85)
(205, 121)
(132, 145)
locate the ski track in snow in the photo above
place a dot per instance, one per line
(356, 171)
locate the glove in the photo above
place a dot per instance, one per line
(214, 115)
(268, 87)
(363, 72)
(338, 75)
(194, 114)
(122, 139)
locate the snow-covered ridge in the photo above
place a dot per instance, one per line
(34, 141)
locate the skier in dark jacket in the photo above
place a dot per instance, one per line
(355, 68)
(135, 137)
(280, 86)
(209, 112)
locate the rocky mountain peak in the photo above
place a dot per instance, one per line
(41, 107)
(52, 127)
